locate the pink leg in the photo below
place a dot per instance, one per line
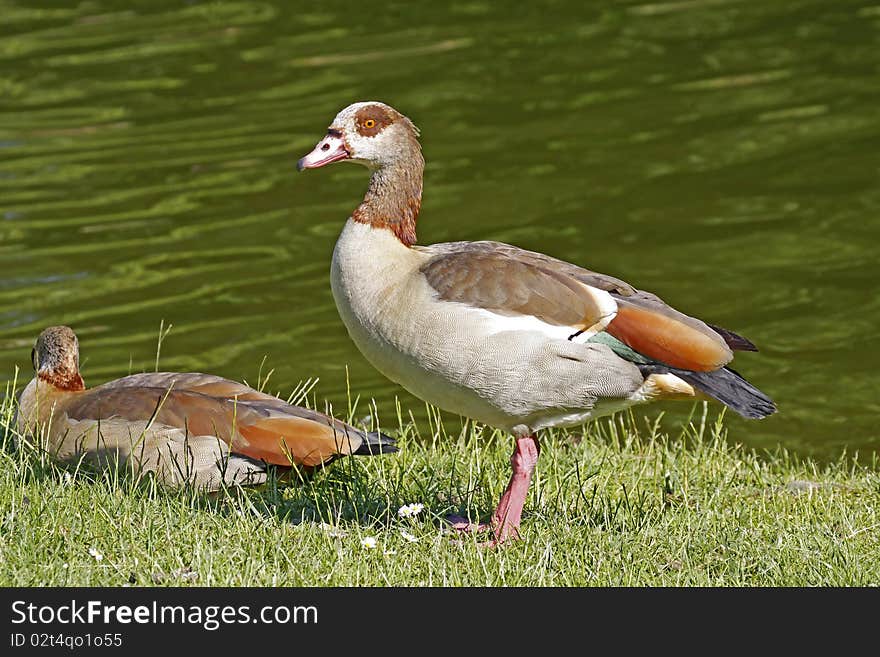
(507, 516)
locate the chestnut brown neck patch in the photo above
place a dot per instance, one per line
(63, 380)
(394, 198)
(372, 119)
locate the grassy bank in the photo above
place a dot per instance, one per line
(618, 505)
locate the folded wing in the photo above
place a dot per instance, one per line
(252, 423)
(500, 279)
(509, 281)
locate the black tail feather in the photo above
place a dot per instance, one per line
(376, 443)
(735, 341)
(726, 386)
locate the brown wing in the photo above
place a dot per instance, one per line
(207, 384)
(497, 277)
(254, 424)
(503, 278)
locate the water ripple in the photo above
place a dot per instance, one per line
(721, 153)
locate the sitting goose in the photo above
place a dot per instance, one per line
(195, 429)
(512, 338)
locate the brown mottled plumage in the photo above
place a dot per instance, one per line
(185, 427)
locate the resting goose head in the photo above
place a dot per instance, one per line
(56, 358)
(370, 133)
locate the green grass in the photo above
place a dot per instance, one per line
(620, 504)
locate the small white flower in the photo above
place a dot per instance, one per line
(409, 537)
(369, 542)
(97, 556)
(65, 566)
(410, 510)
(67, 478)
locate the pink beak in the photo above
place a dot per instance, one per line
(330, 149)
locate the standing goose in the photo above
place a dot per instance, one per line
(194, 429)
(512, 338)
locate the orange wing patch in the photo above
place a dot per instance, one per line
(282, 440)
(667, 340)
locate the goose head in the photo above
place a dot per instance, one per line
(55, 357)
(371, 133)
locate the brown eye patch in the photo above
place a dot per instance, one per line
(372, 119)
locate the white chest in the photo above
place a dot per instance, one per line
(393, 317)
(372, 277)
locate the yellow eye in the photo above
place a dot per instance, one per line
(370, 123)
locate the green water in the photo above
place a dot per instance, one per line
(723, 154)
